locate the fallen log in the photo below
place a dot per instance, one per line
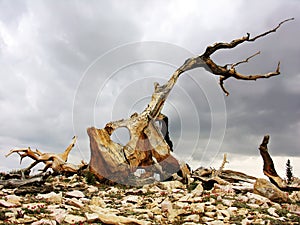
(14, 183)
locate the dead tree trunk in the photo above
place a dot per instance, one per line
(269, 168)
(148, 148)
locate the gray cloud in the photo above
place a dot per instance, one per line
(46, 46)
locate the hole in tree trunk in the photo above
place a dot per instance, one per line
(121, 135)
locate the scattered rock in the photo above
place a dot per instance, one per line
(157, 203)
(73, 219)
(7, 204)
(91, 217)
(51, 197)
(75, 194)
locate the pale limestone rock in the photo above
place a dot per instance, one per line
(225, 213)
(232, 210)
(272, 212)
(25, 220)
(75, 194)
(44, 222)
(210, 214)
(216, 222)
(85, 200)
(58, 214)
(75, 202)
(131, 199)
(14, 199)
(197, 207)
(92, 189)
(243, 198)
(210, 208)
(170, 185)
(110, 218)
(186, 198)
(198, 190)
(181, 205)
(73, 219)
(206, 219)
(51, 197)
(91, 217)
(242, 211)
(246, 222)
(192, 218)
(9, 214)
(97, 201)
(253, 205)
(227, 202)
(166, 206)
(7, 204)
(270, 191)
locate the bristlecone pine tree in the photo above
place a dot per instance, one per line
(289, 173)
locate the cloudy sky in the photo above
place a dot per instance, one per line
(69, 65)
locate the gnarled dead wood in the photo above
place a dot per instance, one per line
(56, 161)
(269, 168)
(147, 141)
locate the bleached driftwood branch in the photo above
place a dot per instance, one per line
(56, 161)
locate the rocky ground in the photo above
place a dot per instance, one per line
(81, 200)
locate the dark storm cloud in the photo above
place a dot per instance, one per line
(46, 46)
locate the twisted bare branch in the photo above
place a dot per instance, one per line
(226, 72)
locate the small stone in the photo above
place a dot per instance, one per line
(227, 202)
(225, 213)
(198, 190)
(7, 204)
(252, 205)
(210, 214)
(243, 198)
(210, 208)
(51, 197)
(246, 222)
(97, 201)
(186, 198)
(206, 219)
(170, 185)
(58, 214)
(272, 212)
(72, 219)
(197, 207)
(166, 206)
(92, 189)
(181, 205)
(91, 217)
(75, 202)
(75, 194)
(14, 199)
(44, 222)
(216, 222)
(25, 220)
(192, 218)
(131, 199)
(232, 210)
